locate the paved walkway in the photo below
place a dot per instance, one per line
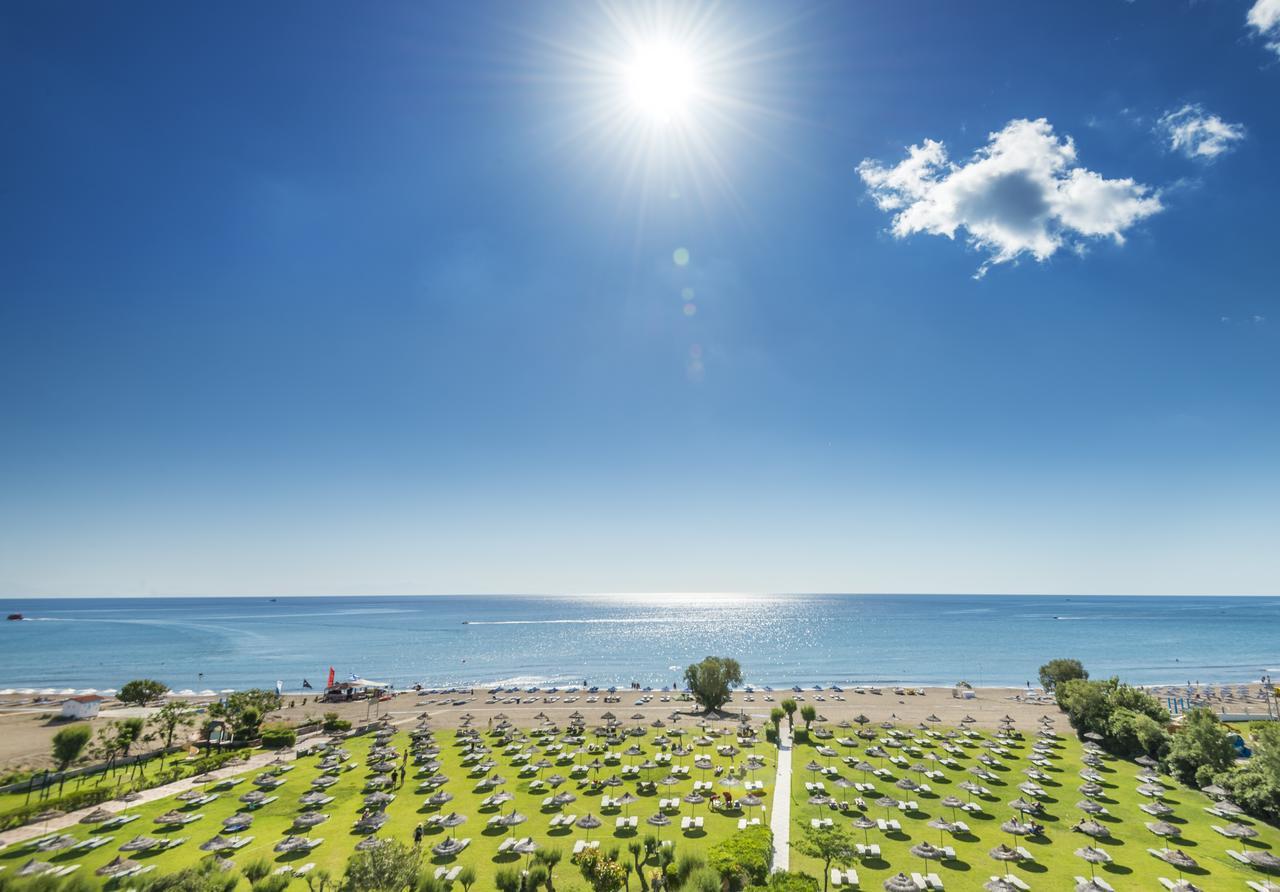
(780, 817)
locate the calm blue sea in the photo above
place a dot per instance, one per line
(216, 643)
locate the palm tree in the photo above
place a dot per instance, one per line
(549, 858)
(789, 707)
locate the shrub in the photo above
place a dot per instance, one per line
(276, 883)
(743, 858)
(278, 735)
(1201, 741)
(333, 723)
(256, 869)
(390, 867)
(705, 879)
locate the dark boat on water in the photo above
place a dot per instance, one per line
(15, 616)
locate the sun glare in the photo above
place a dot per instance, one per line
(661, 81)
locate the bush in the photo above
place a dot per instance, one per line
(333, 723)
(1095, 705)
(256, 869)
(276, 883)
(744, 858)
(704, 879)
(785, 881)
(278, 735)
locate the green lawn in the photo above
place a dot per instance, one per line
(273, 820)
(1133, 867)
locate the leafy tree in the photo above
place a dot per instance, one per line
(549, 858)
(1255, 785)
(536, 877)
(808, 712)
(1200, 740)
(142, 691)
(245, 710)
(467, 877)
(1134, 734)
(601, 870)
(711, 681)
(789, 707)
(169, 718)
(828, 845)
(776, 715)
(1055, 672)
(390, 867)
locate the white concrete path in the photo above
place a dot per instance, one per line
(780, 814)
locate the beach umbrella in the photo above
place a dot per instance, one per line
(899, 882)
(375, 800)
(1262, 860)
(140, 843)
(626, 801)
(1093, 735)
(171, 817)
(729, 781)
(886, 802)
(588, 822)
(1093, 856)
(751, 801)
(813, 768)
(56, 843)
(1162, 828)
(927, 851)
(999, 884)
(1089, 885)
(439, 798)
(1088, 806)
(942, 825)
(369, 843)
(560, 800)
(865, 824)
(1023, 806)
(1215, 791)
(1226, 806)
(453, 820)
(1151, 790)
(952, 802)
(1156, 809)
(511, 820)
(1146, 761)
(1015, 827)
(34, 868)
(1093, 828)
(97, 816)
(906, 783)
(1178, 858)
(1091, 789)
(864, 767)
(1005, 854)
(310, 819)
(1239, 831)
(118, 864)
(218, 843)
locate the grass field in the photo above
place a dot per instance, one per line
(272, 821)
(1055, 866)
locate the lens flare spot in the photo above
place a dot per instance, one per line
(680, 257)
(690, 309)
(686, 293)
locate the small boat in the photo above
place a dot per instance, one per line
(15, 616)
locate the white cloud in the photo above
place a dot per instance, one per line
(1197, 134)
(1022, 193)
(1264, 17)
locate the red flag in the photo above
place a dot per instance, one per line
(330, 684)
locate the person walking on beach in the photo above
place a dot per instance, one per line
(417, 835)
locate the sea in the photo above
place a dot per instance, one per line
(218, 644)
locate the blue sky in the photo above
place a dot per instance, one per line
(297, 299)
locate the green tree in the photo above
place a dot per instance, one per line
(711, 681)
(245, 710)
(467, 877)
(1200, 740)
(789, 707)
(549, 858)
(536, 877)
(1055, 672)
(828, 845)
(256, 869)
(507, 879)
(636, 848)
(390, 867)
(142, 691)
(69, 743)
(169, 718)
(320, 880)
(744, 858)
(127, 733)
(808, 712)
(776, 715)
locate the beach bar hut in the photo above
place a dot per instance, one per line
(355, 689)
(83, 707)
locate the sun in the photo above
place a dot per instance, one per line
(661, 81)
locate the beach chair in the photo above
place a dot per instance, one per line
(1238, 856)
(579, 846)
(948, 853)
(919, 880)
(742, 823)
(837, 877)
(685, 823)
(934, 881)
(960, 827)
(1025, 854)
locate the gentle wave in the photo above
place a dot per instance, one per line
(599, 621)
